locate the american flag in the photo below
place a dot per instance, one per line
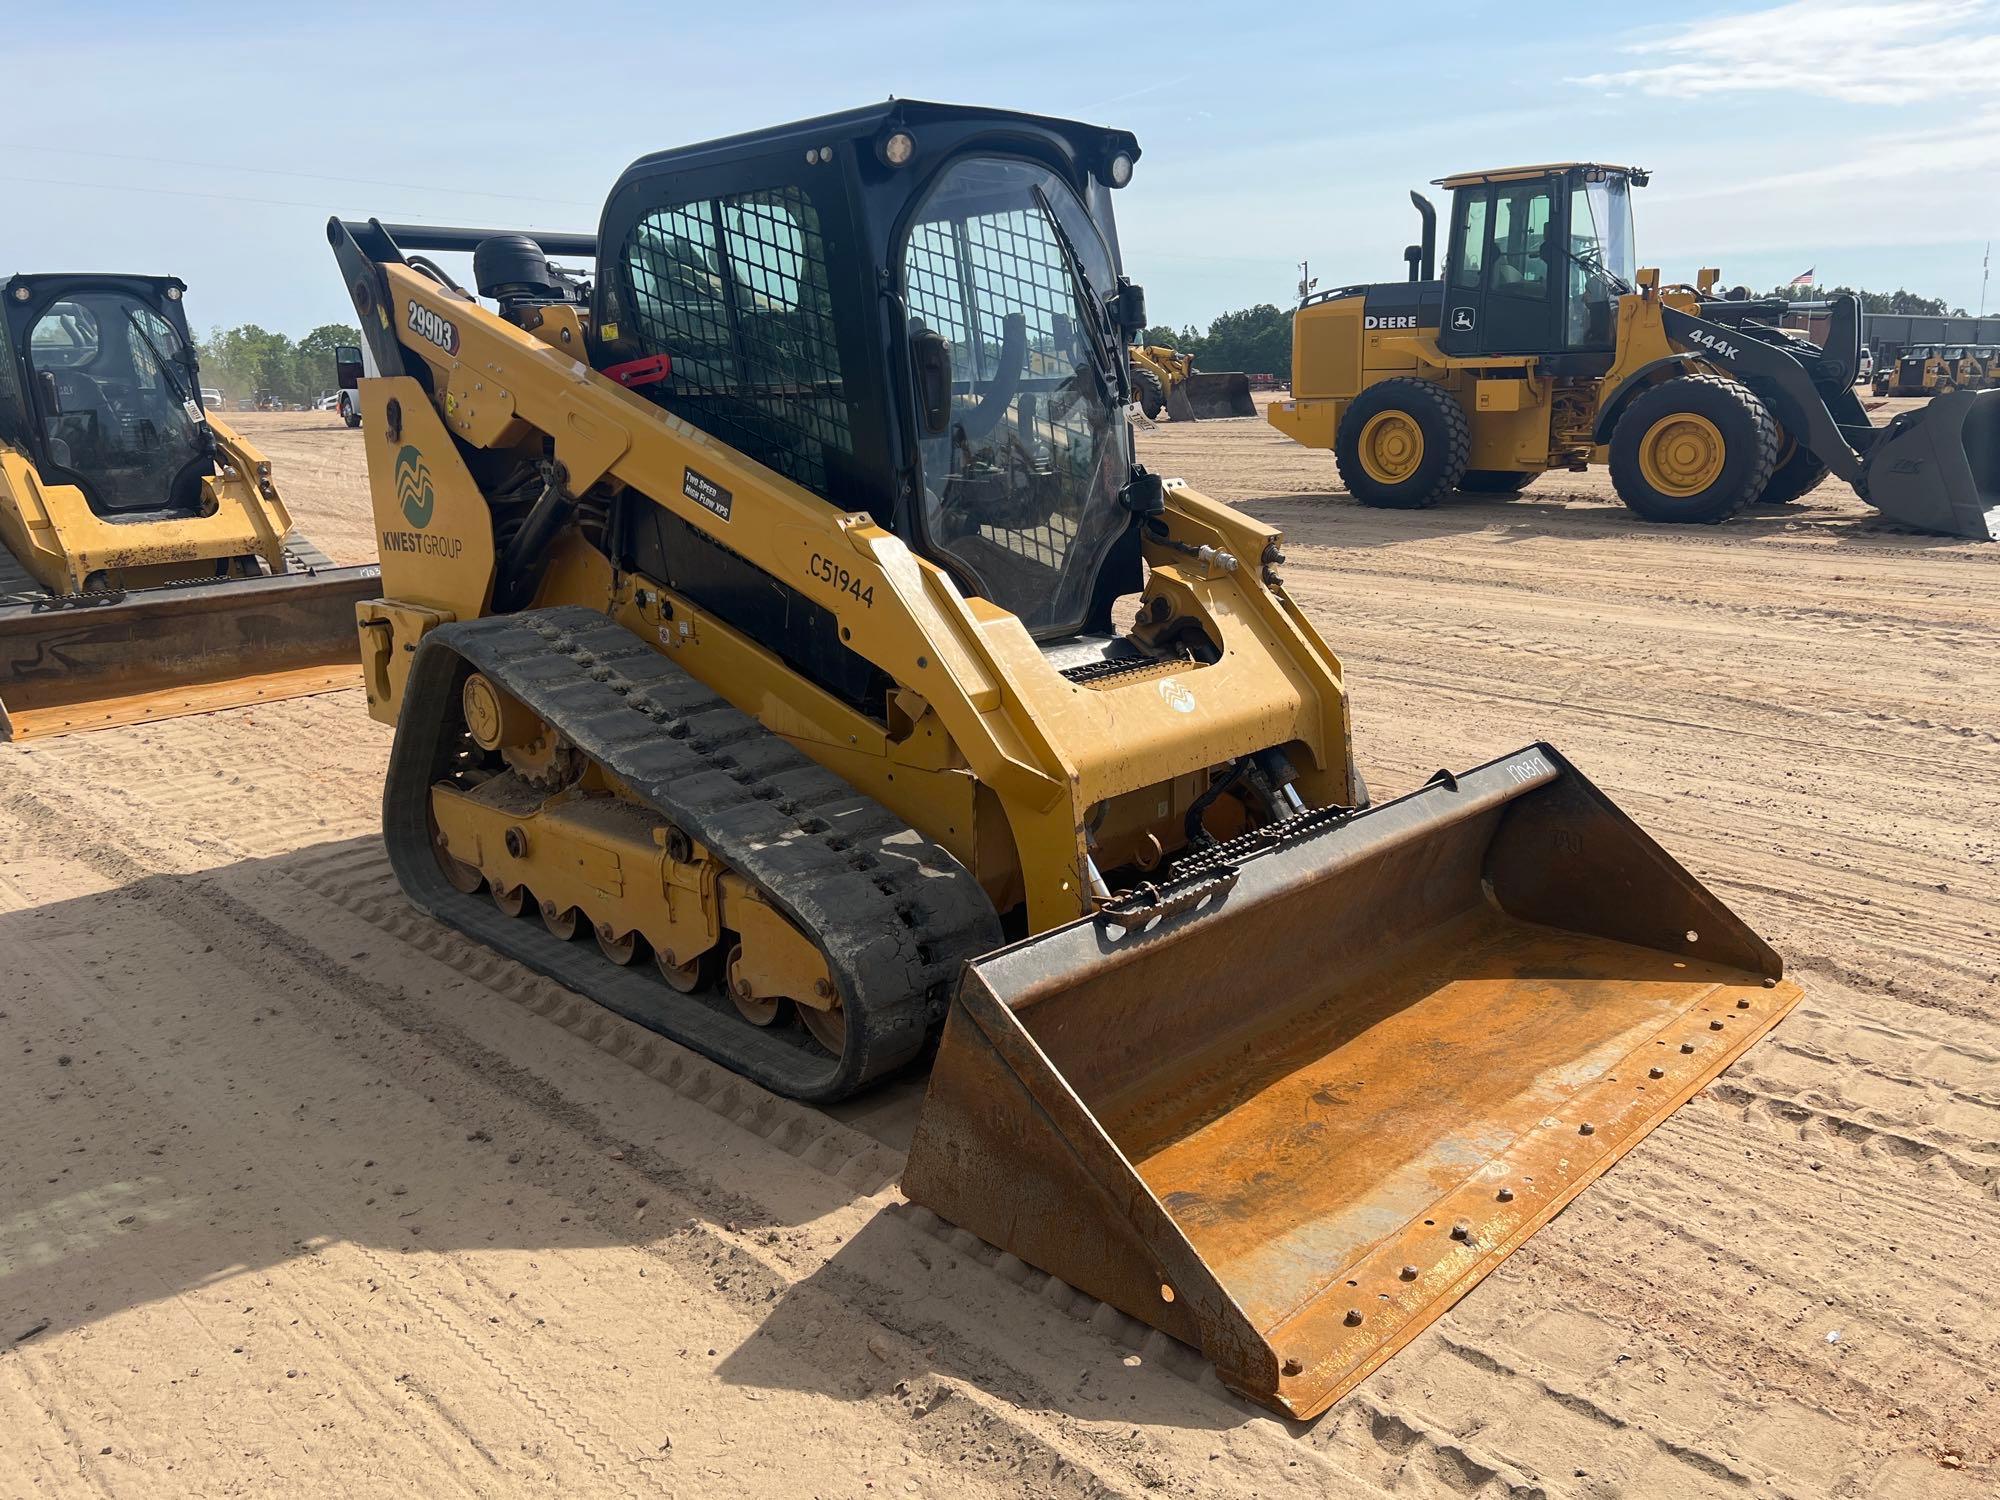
(1804, 278)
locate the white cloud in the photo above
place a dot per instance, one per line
(1889, 52)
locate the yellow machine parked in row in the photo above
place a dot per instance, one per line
(148, 565)
(1541, 346)
(785, 650)
(1165, 380)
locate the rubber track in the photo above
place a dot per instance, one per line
(302, 551)
(895, 915)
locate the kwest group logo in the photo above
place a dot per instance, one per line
(414, 488)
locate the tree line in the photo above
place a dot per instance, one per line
(1898, 301)
(247, 361)
(1256, 340)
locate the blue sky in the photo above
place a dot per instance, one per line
(212, 140)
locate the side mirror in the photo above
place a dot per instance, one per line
(930, 359)
(1128, 308)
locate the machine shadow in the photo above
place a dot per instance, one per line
(1333, 518)
(1041, 1346)
(95, 1219)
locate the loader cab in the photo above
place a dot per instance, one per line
(1536, 260)
(912, 310)
(102, 391)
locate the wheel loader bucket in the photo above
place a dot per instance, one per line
(1938, 468)
(1298, 1103)
(1216, 394)
(69, 665)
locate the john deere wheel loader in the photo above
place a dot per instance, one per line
(148, 566)
(1165, 380)
(1541, 347)
(785, 650)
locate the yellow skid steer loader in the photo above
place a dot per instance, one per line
(148, 566)
(755, 627)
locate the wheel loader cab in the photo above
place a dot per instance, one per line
(103, 391)
(913, 311)
(1536, 260)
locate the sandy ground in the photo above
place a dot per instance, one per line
(301, 1194)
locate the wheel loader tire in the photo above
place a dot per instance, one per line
(1798, 473)
(1497, 481)
(1403, 444)
(1146, 390)
(1693, 450)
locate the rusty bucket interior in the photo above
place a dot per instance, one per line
(1293, 1124)
(70, 665)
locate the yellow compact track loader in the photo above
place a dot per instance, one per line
(1165, 380)
(785, 650)
(1925, 370)
(148, 566)
(1540, 347)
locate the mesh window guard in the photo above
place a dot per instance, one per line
(1015, 489)
(736, 292)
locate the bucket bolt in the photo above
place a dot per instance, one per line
(1656, 1072)
(1353, 1318)
(1586, 1128)
(1461, 1230)
(1408, 1273)
(1505, 1195)
(1293, 1367)
(1743, 1002)
(1687, 1046)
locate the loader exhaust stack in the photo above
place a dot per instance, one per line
(1295, 1116)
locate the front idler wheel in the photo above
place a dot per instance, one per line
(827, 1027)
(464, 878)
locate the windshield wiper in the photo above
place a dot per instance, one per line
(1595, 262)
(1105, 362)
(164, 364)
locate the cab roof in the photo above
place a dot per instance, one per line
(1090, 142)
(1545, 169)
